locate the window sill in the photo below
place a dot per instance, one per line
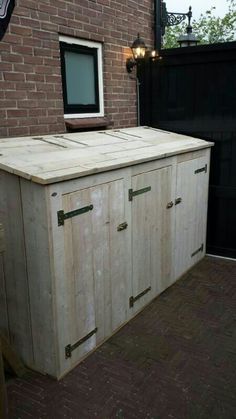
(86, 123)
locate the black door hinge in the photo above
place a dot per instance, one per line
(202, 169)
(133, 193)
(132, 299)
(62, 216)
(69, 348)
(198, 251)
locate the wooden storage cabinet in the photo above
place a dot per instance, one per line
(85, 254)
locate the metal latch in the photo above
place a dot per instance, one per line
(133, 193)
(197, 251)
(202, 169)
(178, 200)
(69, 348)
(170, 204)
(62, 216)
(122, 226)
(132, 299)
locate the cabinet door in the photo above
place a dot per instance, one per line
(152, 231)
(96, 255)
(191, 213)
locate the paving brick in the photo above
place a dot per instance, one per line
(176, 359)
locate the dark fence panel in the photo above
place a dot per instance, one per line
(193, 91)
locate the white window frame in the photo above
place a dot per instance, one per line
(98, 46)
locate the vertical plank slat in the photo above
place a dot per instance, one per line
(120, 254)
(40, 273)
(4, 324)
(15, 270)
(101, 262)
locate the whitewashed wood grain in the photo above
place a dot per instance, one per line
(40, 274)
(98, 151)
(151, 234)
(191, 213)
(15, 269)
(80, 256)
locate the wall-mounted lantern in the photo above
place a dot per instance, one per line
(188, 39)
(138, 49)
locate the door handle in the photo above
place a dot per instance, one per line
(122, 226)
(178, 200)
(170, 204)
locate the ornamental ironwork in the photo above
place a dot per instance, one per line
(163, 18)
(172, 19)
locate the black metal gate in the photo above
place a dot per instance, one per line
(193, 91)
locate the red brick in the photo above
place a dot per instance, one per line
(14, 77)
(30, 57)
(20, 30)
(18, 131)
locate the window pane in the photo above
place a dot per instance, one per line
(80, 81)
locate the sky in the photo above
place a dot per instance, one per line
(198, 6)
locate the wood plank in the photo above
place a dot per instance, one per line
(62, 274)
(120, 253)
(11, 357)
(4, 323)
(7, 152)
(2, 239)
(100, 219)
(15, 271)
(40, 273)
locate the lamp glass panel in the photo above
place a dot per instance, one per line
(138, 52)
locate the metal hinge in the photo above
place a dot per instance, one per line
(132, 299)
(133, 193)
(197, 251)
(62, 216)
(202, 169)
(69, 348)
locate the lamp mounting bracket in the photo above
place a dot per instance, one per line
(163, 19)
(172, 19)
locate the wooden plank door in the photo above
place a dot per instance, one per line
(152, 231)
(97, 260)
(191, 212)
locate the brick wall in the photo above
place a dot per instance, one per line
(30, 76)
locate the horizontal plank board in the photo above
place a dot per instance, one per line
(80, 154)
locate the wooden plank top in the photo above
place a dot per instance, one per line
(55, 158)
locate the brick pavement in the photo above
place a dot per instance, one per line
(177, 359)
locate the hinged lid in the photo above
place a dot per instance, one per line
(54, 158)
